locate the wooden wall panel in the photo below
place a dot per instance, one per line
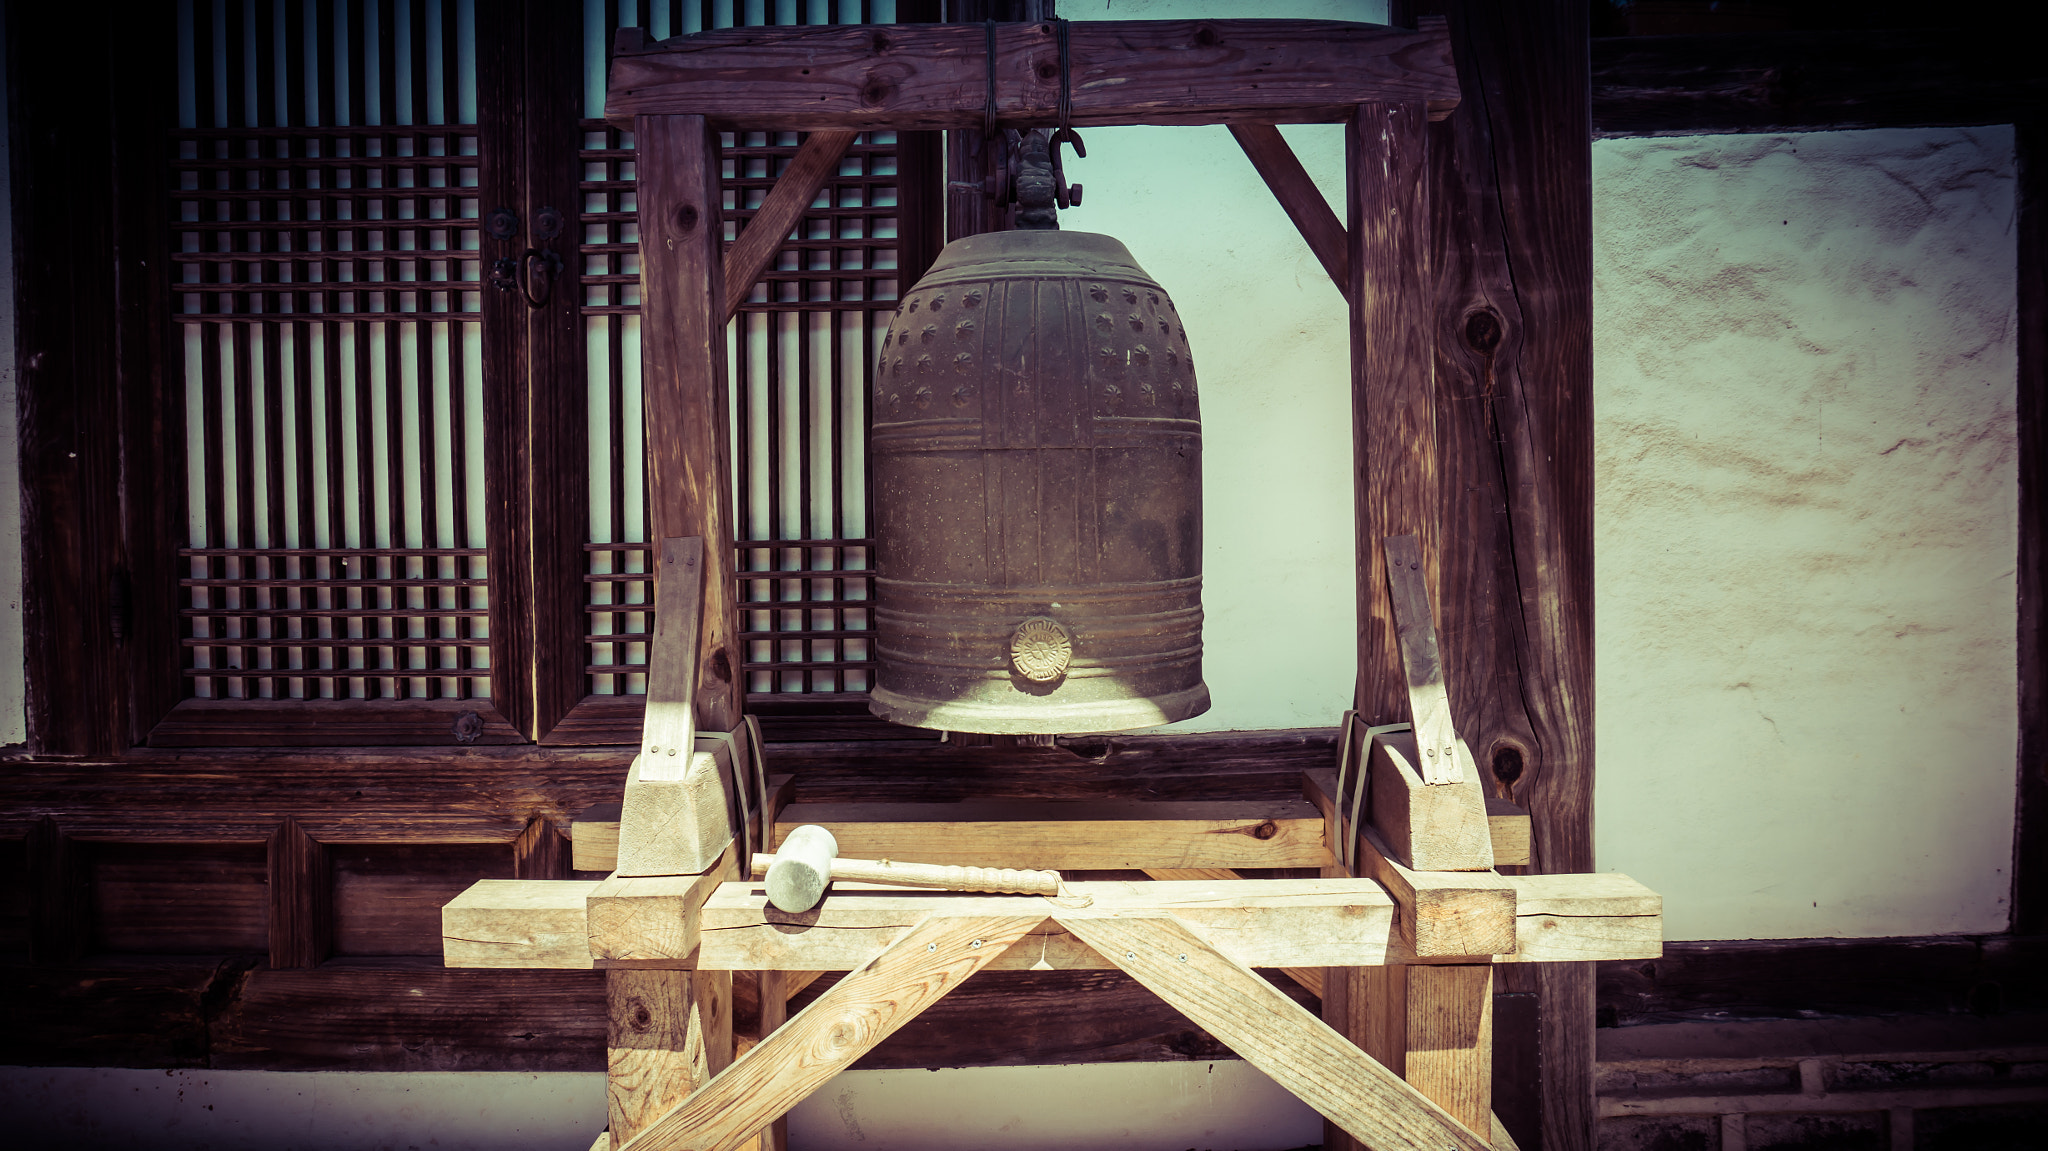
(387, 899)
(14, 897)
(173, 899)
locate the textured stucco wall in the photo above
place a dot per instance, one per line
(1806, 528)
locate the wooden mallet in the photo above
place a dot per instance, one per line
(809, 859)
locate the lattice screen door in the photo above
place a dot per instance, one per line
(381, 441)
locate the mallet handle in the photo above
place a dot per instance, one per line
(942, 876)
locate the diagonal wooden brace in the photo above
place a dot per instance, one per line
(1274, 1033)
(935, 956)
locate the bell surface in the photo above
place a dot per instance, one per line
(1037, 462)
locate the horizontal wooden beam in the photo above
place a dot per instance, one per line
(1060, 835)
(1261, 923)
(1785, 81)
(927, 76)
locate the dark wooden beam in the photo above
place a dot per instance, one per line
(926, 76)
(2030, 833)
(1299, 197)
(59, 895)
(682, 357)
(1785, 81)
(541, 851)
(556, 451)
(1511, 348)
(816, 161)
(301, 898)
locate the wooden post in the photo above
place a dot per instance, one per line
(301, 898)
(682, 358)
(1393, 422)
(669, 1033)
(59, 893)
(1511, 229)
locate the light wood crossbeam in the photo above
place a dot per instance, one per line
(1071, 835)
(594, 833)
(1266, 923)
(1274, 1033)
(1299, 197)
(815, 161)
(1310, 978)
(912, 76)
(890, 989)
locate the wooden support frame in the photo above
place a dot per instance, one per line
(1386, 85)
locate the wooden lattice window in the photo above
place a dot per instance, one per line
(324, 221)
(801, 355)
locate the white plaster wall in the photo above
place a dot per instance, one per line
(1805, 512)
(1223, 1105)
(1270, 338)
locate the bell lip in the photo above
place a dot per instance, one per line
(1041, 719)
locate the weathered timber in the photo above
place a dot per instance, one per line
(653, 918)
(541, 852)
(1511, 351)
(1429, 704)
(301, 898)
(388, 896)
(2030, 833)
(1263, 923)
(553, 446)
(859, 1011)
(409, 1015)
(1507, 825)
(1792, 81)
(59, 894)
(1444, 912)
(683, 365)
(1073, 835)
(1433, 1027)
(1299, 197)
(669, 1032)
(315, 723)
(816, 160)
(1274, 1033)
(167, 898)
(930, 76)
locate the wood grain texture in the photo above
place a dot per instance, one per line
(669, 723)
(1393, 416)
(511, 923)
(2030, 833)
(1433, 1026)
(510, 406)
(754, 252)
(1788, 81)
(301, 898)
(556, 449)
(59, 895)
(1512, 348)
(541, 852)
(1274, 1033)
(928, 76)
(1444, 912)
(1429, 704)
(1431, 827)
(1100, 835)
(682, 369)
(1310, 978)
(1299, 197)
(669, 1033)
(329, 722)
(653, 918)
(179, 898)
(858, 1012)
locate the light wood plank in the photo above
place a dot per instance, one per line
(1310, 978)
(751, 255)
(1274, 1033)
(1433, 1026)
(669, 1033)
(518, 923)
(1507, 827)
(1072, 835)
(1444, 913)
(890, 989)
(642, 919)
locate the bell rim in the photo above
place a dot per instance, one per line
(1082, 718)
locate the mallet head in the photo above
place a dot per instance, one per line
(802, 868)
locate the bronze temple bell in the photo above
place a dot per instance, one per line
(1037, 461)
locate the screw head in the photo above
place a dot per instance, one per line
(974, 943)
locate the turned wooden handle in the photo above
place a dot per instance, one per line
(942, 876)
